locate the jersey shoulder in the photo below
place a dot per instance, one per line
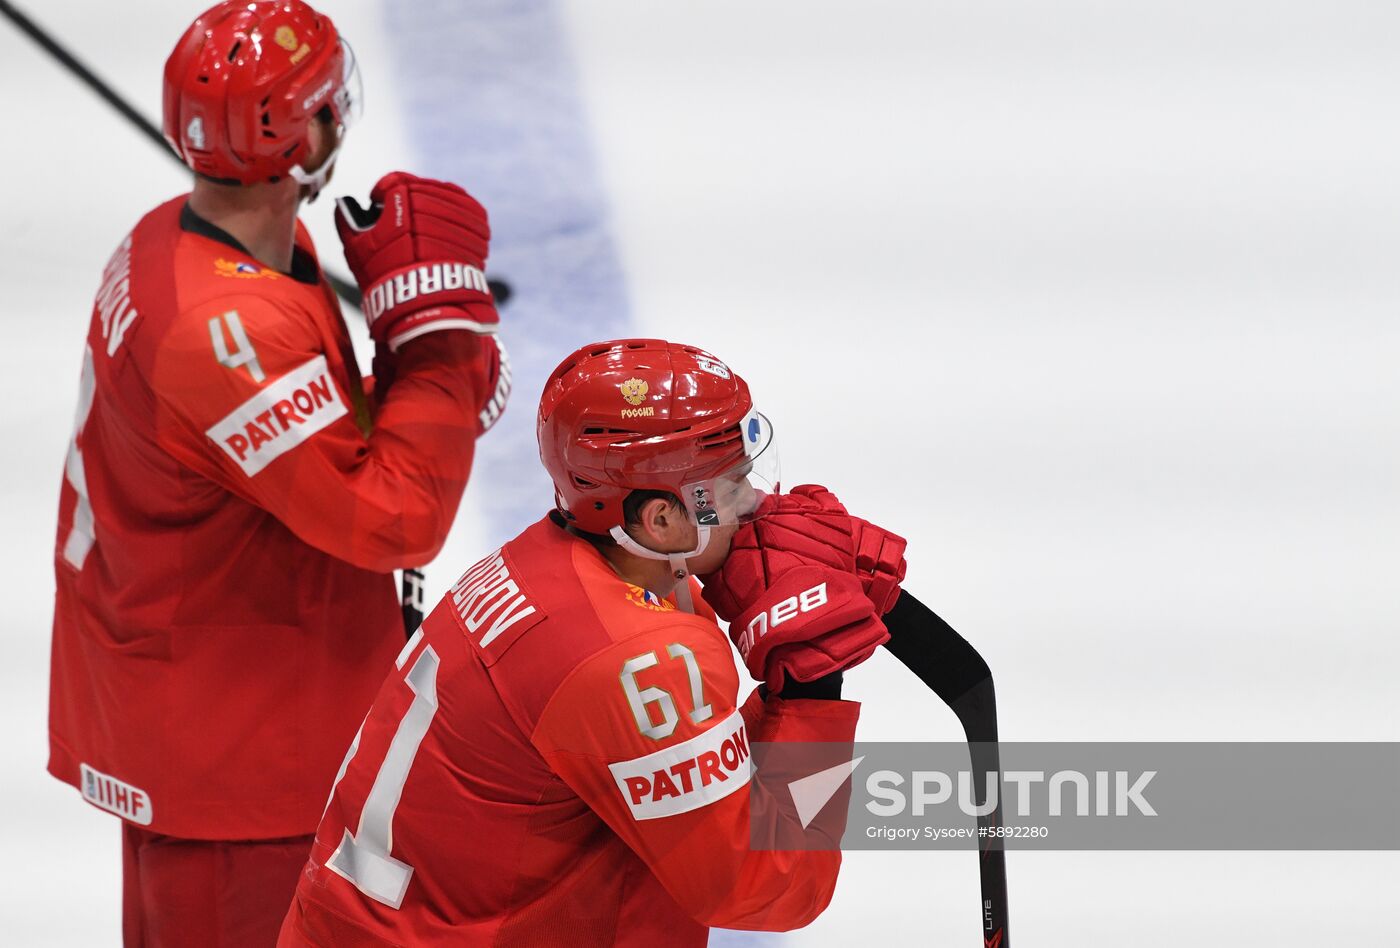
(247, 374)
(185, 275)
(234, 328)
(658, 676)
(546, 610)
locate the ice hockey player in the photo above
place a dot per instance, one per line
(235, 499)
(559, 756)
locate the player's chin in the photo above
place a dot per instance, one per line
(716, 550)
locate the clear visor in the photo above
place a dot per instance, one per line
(349, 98)
(735, 496)
(347, 103)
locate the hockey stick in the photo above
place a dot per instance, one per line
(945, 662)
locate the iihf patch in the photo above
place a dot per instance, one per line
(114, 796)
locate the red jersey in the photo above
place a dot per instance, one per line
(558, 759)
(232, 509)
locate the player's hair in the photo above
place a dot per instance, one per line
(631, 514)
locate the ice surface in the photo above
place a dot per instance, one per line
(1094, 302)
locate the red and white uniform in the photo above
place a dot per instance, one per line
(232, 508)
(558, 759)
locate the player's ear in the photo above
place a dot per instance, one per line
(322, 136)
(662, 525)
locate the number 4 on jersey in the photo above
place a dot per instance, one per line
(242, 352)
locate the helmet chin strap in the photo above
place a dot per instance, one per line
(314, 181)
(676, 561)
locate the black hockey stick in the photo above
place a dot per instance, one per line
(945, 662)
(411, 601)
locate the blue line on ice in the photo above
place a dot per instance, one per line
(491, 101)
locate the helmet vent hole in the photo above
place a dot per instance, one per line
(723, 439)
(583, 483)
(289, 151)
(234, 52)
(204, 79)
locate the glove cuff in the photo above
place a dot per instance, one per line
(495, 403)
(434, 319)
(409, 291)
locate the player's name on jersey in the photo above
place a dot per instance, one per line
(489, 601)
(114, 297)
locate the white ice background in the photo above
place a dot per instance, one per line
(1095, 302)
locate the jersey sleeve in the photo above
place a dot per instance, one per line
(255, 405)
(649, 735)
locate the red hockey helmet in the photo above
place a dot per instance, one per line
(245, 82)
(645, 414)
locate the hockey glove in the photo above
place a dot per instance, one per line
(484, 358)
(496, 381)
(417, 253)
(808, 623)
(810, 526)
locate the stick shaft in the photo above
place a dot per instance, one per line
(950, 667)
(87, 76)
(411, 600)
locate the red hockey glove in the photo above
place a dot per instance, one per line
(417, 254)
(810, 526)
(483, 358)
(806, 624)
(495, 367)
